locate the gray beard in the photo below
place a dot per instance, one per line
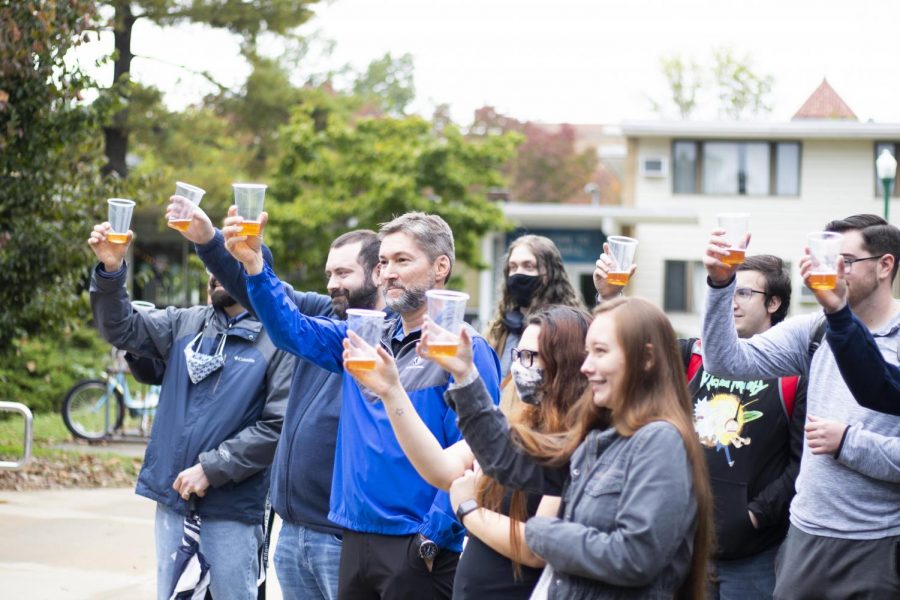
(412, 299)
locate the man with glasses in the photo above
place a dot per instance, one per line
(752, 432)
(844, 535)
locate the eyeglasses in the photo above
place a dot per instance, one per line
(525, 357)
(848, 262)
(743, 294)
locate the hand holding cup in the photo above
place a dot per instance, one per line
(383, 378)
(459, 364)
(111, 254)
(832, 300)
(246, 249)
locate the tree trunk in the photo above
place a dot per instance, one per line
(116, 134)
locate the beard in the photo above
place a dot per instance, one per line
(860, 290)
(412, 298)
(220, 299)
(343, 298)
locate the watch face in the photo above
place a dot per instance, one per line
(427, 550)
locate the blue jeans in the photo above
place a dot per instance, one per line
(231, 548)
(751, 578)
(307, 562)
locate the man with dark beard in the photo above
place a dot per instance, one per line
(220, 413)
(309, 545)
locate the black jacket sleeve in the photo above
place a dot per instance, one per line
(873, 381)
(487, 432)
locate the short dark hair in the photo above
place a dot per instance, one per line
(368, 247)
(879, 237)
(778, 281)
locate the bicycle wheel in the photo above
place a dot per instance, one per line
(84, 411)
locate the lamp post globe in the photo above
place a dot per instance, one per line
(886, 166)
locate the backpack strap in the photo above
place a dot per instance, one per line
(816, 335)
(789, 393)
(692, 357)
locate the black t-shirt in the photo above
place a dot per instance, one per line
(485, 573)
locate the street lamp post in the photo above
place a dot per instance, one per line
(886, 165)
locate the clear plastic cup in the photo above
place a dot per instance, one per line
(824, 252)
(369, 325)
(249, 199)
(120, 210)
(621, 251)
(736, 226)
(446, 311)
(182, 212)
(142, 305)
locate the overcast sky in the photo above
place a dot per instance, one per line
(571, 61)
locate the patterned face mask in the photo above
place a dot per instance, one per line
(201, 365)
(527, 380)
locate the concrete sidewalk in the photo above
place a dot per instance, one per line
(90, 544)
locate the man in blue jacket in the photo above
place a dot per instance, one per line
(219, 417)
(401, 538)
(309, 545)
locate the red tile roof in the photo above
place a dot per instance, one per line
(824, 103)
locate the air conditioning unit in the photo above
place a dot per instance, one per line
(654, 166)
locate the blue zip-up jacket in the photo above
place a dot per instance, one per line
(375, 488)
(229, 422)
(304, 459)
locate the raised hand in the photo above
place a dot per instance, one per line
(246, 249)
(831, 300)
(460, 364)
(201, 229)
(383, 379)
(716, 250)
(111, 255)
(602, 267)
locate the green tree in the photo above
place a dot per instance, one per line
(684, 79)
(50, 160)
(339, 170)
(388, 82)
(248, 18)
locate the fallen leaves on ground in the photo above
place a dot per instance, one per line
(68, 470)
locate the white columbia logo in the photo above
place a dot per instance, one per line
(246, 360)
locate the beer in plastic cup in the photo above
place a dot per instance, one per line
(736, 226)
(120, 211)
(824, 252)
(621, 252)
(446, 310)
(367, 324)
(183, 212)
(249, 197)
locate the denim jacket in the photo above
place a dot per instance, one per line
(629, 513)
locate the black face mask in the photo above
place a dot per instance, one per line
(522, 287)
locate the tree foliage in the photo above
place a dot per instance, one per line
(547, 166)
(50, 161)
(340, 170)
(388, 83)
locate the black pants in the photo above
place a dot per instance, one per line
(388, 567)
(822, 568)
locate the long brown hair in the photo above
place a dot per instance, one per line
(653, 388)
(556, 288)
(541, 429)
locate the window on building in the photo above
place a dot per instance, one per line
(685, 286)
(736, 168)
(892, 148)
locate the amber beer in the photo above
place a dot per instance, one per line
(734, 257)
(359, 364)
(617, 278)
(443, 349)
(250, 228)
(823, 281)
(117, 238)
(180, 224)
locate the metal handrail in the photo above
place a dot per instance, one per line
(25, 412)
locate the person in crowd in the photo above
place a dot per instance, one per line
(401, 538)
(533, 277)
(874, 382)
(496, 563)
(752, 432)
(309, 545)
(636, 504)
(220, 413)
(845, 528)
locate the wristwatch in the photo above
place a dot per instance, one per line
(427, 549)
(464, 508)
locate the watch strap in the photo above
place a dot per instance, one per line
(465, 507)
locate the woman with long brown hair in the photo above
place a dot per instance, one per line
(496, 562)
(637, 509)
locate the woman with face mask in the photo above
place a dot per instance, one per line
(533, 278)
(496, 562)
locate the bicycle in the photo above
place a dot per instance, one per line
(94, 409)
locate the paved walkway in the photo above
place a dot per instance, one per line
(81, 544)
